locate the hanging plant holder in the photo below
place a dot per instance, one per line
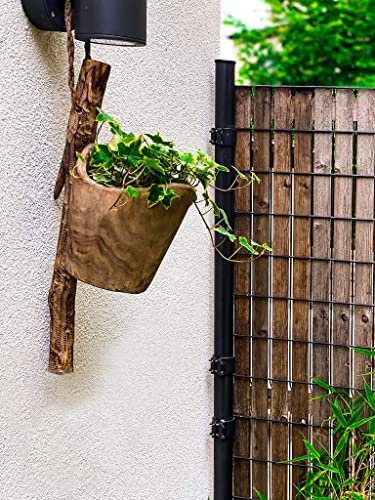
(115, 231)
(116, 242)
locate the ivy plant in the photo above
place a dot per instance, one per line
(131, 162)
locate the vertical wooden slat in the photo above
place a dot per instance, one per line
(321, 249)
(242, 310)
(342, 238)
(281, 204)
(301, 274)
(364, 233)
(260, 326)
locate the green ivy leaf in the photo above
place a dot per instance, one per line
(158, 139)
(169, 196)
(266, 247)
(224, 232)
(240, 174)
(80, 156)
(154, 164)
(188, 158)
(104, 117)
(244, 243)
(155, 195)
(102, 156)
(131, 192)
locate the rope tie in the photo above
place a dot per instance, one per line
(68, 14)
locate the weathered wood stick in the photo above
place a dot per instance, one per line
(81, 131)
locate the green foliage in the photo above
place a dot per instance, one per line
(309, 42)
(131, 162)
(345, 473)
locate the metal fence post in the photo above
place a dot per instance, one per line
(223, 136)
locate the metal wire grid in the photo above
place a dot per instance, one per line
(271, 298)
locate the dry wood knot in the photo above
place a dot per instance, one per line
(344, 317)
(321, 167)
(365, 318)
(324, 314)
(263, 204)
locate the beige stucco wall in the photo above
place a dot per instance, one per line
(132, 422)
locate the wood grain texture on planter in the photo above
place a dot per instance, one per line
(115, 242)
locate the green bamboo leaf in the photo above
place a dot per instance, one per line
(324, 385)
(367, 352)
(298, 459)
(315, 453)
(364, 421)
(260, 495)
(370, 396)
(338, 413)
(341, 444)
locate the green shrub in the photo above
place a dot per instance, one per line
(309, 43)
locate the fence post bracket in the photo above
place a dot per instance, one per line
(222, 429)
(223, 136)
(222, 366)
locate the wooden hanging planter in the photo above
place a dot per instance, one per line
(116, 242)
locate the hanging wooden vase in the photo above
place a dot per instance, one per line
(116, 242)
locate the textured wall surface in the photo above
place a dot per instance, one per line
(132, 422)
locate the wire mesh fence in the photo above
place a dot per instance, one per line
(299, 310)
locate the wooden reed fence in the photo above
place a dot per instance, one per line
(298, 311)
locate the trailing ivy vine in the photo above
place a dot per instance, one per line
(131, 162)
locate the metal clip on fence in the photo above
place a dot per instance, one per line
(222, 429)
(223, 136)
(222, 366)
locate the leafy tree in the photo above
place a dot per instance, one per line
(309, 42)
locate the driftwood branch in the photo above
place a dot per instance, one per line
(81, 131)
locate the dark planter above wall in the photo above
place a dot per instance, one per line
(115, 22)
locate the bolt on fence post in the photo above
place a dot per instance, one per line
(223, 423)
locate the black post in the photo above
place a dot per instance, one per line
(223, 424)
